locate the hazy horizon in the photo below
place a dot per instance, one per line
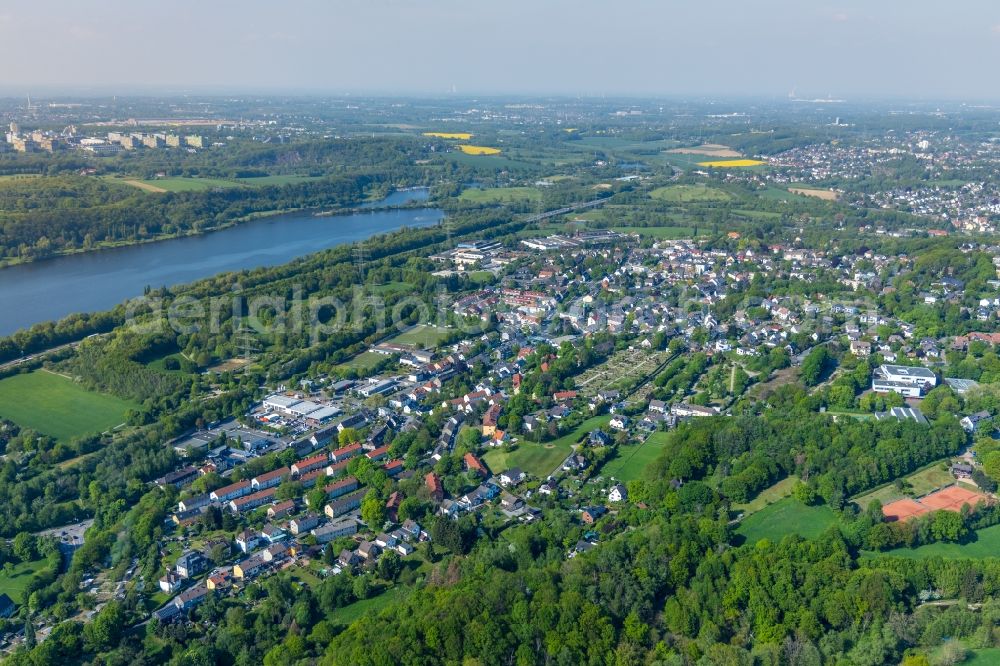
(633, 48)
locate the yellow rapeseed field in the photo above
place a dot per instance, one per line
(730, 163)
(463, 136)
(478, 150)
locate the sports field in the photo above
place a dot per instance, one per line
(787, 516)
(689, 194)
(951, 498)
(365, 360)
(631, 461)
(428, 336)
(921, 482)
(56, 406)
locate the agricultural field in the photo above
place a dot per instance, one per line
(469, 149)
(690, 194)
(986, 543)
(920, 483)
(461, 136)
(631, 461)
(426, 335)
(731, 164)
(787, 516)
(500, 195)
(56, 406)
(825, 195)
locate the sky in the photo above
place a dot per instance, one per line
(923, 49)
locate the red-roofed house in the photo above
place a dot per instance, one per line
(474, 464)
(380, 453)
(309, 464)
(433, 482)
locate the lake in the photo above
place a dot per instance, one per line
(54, 288)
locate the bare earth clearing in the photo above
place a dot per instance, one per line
(709, 149)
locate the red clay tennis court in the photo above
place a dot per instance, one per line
(948, 499)
(903, 509)
(951, 498)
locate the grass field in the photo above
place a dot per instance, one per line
(923, 481)
(542, 459)
(428, 336)
(632, 461)
(690, 194)
(986, 544)
(14, 583)
(348, 614)
(787, 516)
(984, 657)
(495, 162)
(178, 184)
(768, 496)
(500, 195)
(58, 407)
(365, 360)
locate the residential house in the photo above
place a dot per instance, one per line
(190, 564)
(302, 525)
(591, 514)
(281, 509)
(171, 582)
(434, 486)
(512, 477)
(330, 531)
(247, 540)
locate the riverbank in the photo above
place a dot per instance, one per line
(36, 292)
(260, 215)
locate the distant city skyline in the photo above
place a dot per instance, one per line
(916, 49)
